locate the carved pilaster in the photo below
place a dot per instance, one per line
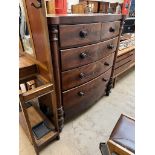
(109, 86)
(110, 83)
(53, 32)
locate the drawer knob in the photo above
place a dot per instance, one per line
(105, 80)
(106, 64)
(81, 93)
(111, 46)
(83, 55)
(83, 34)
(112, 29)
(82, 75)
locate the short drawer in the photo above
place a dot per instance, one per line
(81, 97)
(81, 34)
(110, 29)
(78, 76)
(76, 57)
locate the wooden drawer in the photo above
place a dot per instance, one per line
(78, 76)
(123, 56)
(81, 34)
(76, 57)
(110, 29)
(85, 95)
(123, 61)
(122, 68)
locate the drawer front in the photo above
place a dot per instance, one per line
(76, 57)
(122, 68)
(109, 30)
(121, 57)
(78, 76)
(73, 35)
(85, 95)
(124, 61)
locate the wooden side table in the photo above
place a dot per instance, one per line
(124, 61)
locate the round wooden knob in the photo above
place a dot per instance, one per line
(83, 34)
(81, 93)
(82, 75)
(106, 64)
(105, 80)
(110, 46)
(83, 55)
(112, 29)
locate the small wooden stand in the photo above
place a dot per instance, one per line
(30, 116)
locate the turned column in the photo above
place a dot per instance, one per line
(110, 83)
(53, 32)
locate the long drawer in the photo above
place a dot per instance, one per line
(123, 56)
(85, 95)
(76, 57)
(78, 76)
(109, 30)
(81, 34)
(124, 61)
(122, 68)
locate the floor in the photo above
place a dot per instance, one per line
(83, 135)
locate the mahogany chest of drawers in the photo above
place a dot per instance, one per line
(83, 49)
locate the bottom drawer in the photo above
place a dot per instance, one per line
(80, 98)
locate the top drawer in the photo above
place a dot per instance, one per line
(110, 30)
(81, 34)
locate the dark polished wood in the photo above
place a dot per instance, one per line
(85, 95)
(110, 84)
(81, 34)
(76, 57)
(53, 31)
(110, 29)
(79, 47)
(78, 76)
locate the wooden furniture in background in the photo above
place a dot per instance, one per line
(30, 116)
(36, 17)
(78, 8)
(36, 82)
(124, 61)
(50, 6)
(83, 49)
(100, 6)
